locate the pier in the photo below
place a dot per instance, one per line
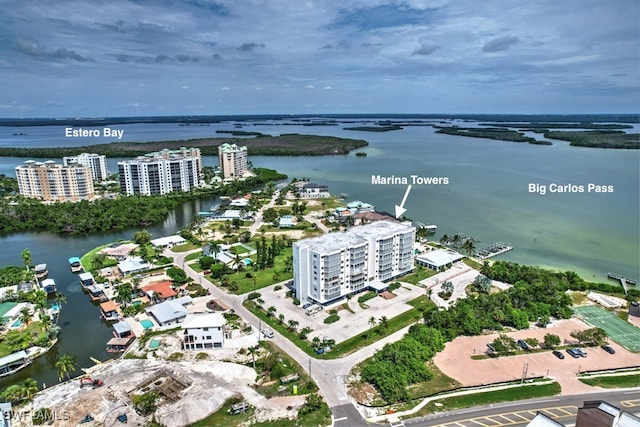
(623, 281)
(495, 249)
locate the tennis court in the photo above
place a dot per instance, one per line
(617, 329)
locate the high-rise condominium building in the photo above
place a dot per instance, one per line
(162, 172)
(96, 162)
(233, 160)
(331, 266)
(52, 182)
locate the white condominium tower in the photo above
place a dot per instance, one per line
(331, 266)
(96, 162)
(233, 160)
(162, 172)
(53, 182)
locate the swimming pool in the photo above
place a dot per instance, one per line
(146, 324)
(16, 324)
(154, 343)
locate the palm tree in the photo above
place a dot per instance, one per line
(25, 316)
(372, 323)
(214, 248)
(384, 322)
(29, 387)
(293, 324)
(60, 298)
(315, 343)
(26, 258)
(65, 365)
(271, 311)
(281, 318)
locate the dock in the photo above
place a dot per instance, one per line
(495, 249)
(623, 281)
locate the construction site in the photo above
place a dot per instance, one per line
(187, 392)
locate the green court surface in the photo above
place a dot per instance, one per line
(617, 329)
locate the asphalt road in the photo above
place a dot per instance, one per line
(515, 414)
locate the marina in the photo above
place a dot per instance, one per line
(495, 249)
(623, 281)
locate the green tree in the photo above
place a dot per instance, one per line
(177, 275)
(26, 258)
(293, 325)
(551, 340)
(271, 311)
(65, 365)
(533, 342)
(146, 403)
(447, 287)
(482, 284)
(505, 345)
(26, 316)
(206, 262)
(372, 323)
(142, 237)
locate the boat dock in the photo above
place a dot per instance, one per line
(623, 281)
(495, 249)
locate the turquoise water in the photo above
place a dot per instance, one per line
(154, 344)
(247, 261)
(16, 324)
(146, 324)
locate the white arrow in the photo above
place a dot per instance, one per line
(400, 209)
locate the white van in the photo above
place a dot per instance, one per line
(313, 310)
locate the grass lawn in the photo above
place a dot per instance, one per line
(488, 397)
(185, 247)
(418, 275)
(191, 257)
(330, 203)
(87, 259)
(420, 304)
(439, 383)
(614, 381)
(28, 335)
(471, 263)
(265, 277)
(285, 366)
(222, 418)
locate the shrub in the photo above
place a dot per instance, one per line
(393, 286)
(366, 297)
(296, 301)
(254, 295)
(332, 318)
(277, 287)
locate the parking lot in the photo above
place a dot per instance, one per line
(456, 362)
(353, 320)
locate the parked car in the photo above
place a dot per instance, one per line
(581, 352)
(523, 345)
(267, 333)
(608, 349)
(573, 353)
(558, 354)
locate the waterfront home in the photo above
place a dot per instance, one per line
(41, 271)
(109, 311)
(168, 241)
(49, 286)
(311, 190)
(10, 313)
(119, 251)
(170, 312)
(122, 329)
(440, 258)
(202, 331)
(159, 291)
(13, 362)
(74, 263)
(133, 265)
(86, 279)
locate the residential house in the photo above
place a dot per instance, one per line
(170, 312)
(159, 291)
(203, 331)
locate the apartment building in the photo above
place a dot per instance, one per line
(97, 163)
(233, 160)
(53, 182)
(332, 266)
(161, 172)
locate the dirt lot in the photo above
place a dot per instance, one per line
(204, 387)
(456, 362)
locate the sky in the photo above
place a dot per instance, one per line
(87, 58)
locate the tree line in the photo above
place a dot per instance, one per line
(110, 214)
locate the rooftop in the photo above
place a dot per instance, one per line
(439, 257)
(208, 320)
(163, 289)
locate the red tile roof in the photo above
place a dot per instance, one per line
(162, 289)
